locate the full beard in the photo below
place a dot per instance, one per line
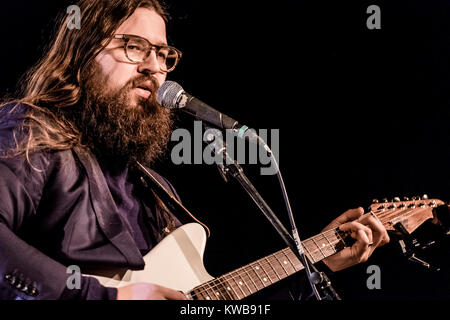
(115, 129)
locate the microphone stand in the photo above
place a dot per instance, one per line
(231, 168)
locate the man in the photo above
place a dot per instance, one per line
(70, 191)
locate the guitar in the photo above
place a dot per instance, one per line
(177, 261)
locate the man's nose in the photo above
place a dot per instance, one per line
(151, 64)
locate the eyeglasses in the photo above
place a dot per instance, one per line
(138, 49)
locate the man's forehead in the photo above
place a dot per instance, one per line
(147, 24)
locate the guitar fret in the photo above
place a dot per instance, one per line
(292, 257)
(220, 292)
(234, 286)
(281, 273)
(242, 282)
(290, 265)
(274, 271)
(216, 290)
(282, 263)
(230, 285)
(197, 294)
(256, 277)
(251, 278)
(338, 235)
(269, 271)
(316, 250)
(233, 277)
(204, 294)
(318, 246)
(324, 245)
(310, 255)
(266, 277)
(228, 289)
(330, 245)
(208, 295)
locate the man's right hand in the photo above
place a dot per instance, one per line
(148, 291)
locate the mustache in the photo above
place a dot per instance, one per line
(141, 79)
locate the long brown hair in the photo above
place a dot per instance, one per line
(55, 82)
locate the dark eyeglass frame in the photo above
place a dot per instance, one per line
(150, 47)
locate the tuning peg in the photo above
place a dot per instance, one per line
(415, 198)
(405, 199)
(425, 197)
(396, 199)
(385, 200)
(375, 201)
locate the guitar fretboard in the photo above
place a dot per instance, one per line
(264, 272)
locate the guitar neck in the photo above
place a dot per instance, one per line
(264, 272)
(255, 276)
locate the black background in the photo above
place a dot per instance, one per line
(362, 114)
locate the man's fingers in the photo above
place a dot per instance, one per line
(361, 249)
(353, 227)
(368, 231)
(172, 294)
(362, 245)
(350, 215)
(380, 235)
(169, 294)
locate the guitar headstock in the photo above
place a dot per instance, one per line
(411, 213)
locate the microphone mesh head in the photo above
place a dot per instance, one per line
(168, 94)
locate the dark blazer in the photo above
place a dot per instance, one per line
(58, 215)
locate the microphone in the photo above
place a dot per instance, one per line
(171, 95)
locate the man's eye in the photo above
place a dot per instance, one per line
(162, 54)
(134, 47)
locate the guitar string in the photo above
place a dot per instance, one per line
(385, 213)
(220, 280)
(386, 216)
(218, 283)
(383, 216)
(239, 274)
